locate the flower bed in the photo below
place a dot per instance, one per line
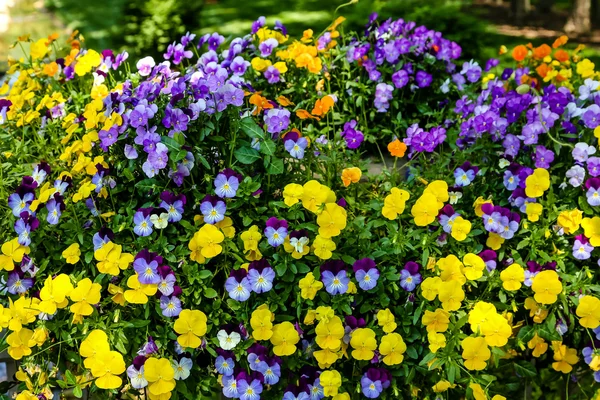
(203, 224)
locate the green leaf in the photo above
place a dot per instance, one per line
(525, 369)
(146, 184)
(268, 147)
(451, 370)
(412, 352)
(251, 128)
(77, 392)
(172, 144)
(70, 377)
(204, 274)
(178, 156)
(246, 155)
(276, 167)
(210, 293)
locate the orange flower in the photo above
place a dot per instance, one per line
(561, 55)
(351, 175)
(284, 101)
(51, 69)
(542, 70)
(322, 106)
(336, 23)
(541, 52)
(52, 38)
(303, 114)
(560, 41)
(260, 102)
(519, 53)
(397, 148)
(307, 36)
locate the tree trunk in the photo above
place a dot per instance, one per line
(545, 6)
(579, 22)
(520, 9)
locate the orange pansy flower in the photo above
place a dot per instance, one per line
(519, 53)
(397, 148)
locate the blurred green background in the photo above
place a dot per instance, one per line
(144, 27)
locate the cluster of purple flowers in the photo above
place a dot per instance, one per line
(400, 45)
(258, 279)
(240, 384)
(419, 140)
(21, 279)
(20, 202)
(500, 220)
(375, 381)
(277, 120)
(308, 387)
(351, 135)
(150, 269)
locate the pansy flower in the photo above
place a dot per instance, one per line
(136, 376)
(173, 205)
(334, 277)
(147, 349)
(55, 207)
(249, 386)
(447, 217)
(511, 176)
(576, 175)
(145, 265)
(464, 175)
(40, 172)
(295, 145)
(366, 273)
(297, 243)
(103, 236)
(271, 370)
(224, 364)
(229, 336)
(256, 353)
(296, 393)
(237, 285)
(230, 387)
(170, 306)
(260, 276)
(489, 258)
(213, 209)
(593, 191)
(182, 368)
(227, 183)
(276, 231)
(142, 222)
(17, 283)
(277, 120)
(374, 381)
(19, 203)
(351, 135)
(410, 276)
(582, 248)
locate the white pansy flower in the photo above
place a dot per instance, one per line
(182, 368)
(228, 341)
(160, 221)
